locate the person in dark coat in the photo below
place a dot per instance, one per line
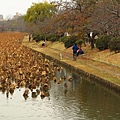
(43, 44)
(75, 48)
(80, 51)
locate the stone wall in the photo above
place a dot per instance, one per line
(90, 77)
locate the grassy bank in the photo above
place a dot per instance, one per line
(103, 64)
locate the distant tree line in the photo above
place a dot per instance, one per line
(13, 25)
(79, 18)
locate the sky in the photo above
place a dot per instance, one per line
(8, 8)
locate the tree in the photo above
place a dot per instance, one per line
(100, 16)
(17, 24)
(68, 17)
(38, 16)
(106, 17)
(39, 12)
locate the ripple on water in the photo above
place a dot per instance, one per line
(76, 104)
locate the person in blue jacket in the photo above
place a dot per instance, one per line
(75, 48)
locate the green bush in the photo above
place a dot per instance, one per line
(114, 44)
(48, 37)
(42, 36)
(79, 42)
(64, 39)
(52, 39)
(102, 42)
(36, 37)
(70, 42)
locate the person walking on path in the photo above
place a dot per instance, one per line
(29, 37)
(75, 48)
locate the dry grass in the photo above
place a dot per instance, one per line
(95, 54)
(94, 61)
(104, 56)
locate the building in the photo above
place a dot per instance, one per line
(16, 16)
(1, 18)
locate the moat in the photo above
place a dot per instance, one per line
(80, 100)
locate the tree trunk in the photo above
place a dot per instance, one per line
(92, 43)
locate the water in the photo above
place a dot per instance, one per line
(81, 100)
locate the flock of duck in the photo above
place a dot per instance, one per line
(20, 67)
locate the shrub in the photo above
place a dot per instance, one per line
(114, 44)
(79, 42)
(52, 39)
(102, 42)
(64, 39)
(42, 36)
(48, 37)
(36, 37)
(70, 41)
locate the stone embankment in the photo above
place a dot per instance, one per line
(104, 73)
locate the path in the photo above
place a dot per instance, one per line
(101, 69)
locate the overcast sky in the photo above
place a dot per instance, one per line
(10, 7)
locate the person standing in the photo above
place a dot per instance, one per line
(75, 48)
(29, 37)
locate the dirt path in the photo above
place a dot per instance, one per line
(103, 69)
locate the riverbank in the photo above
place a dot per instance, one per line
(102, 67)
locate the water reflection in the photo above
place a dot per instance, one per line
(73, 99)
(75, 80)
(61, 73)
